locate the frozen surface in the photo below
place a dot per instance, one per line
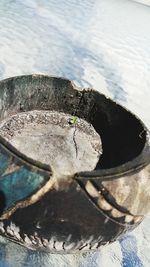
(103, 44)
(145, 2)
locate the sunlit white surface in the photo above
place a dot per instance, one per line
(144, 2)
(101, 44)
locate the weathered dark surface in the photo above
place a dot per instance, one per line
(89, 209)
(64, 221)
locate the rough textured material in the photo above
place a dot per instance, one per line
(53, 37)
(132, 191)
(51, 138)
(82, 211)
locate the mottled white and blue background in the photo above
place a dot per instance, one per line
(103, 44)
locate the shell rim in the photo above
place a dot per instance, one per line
(132, 166)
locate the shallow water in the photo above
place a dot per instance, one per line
(101, 44)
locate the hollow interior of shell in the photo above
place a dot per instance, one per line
(67, 143)
(72, 130)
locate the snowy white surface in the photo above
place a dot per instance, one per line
(100, 43)
(145, 2)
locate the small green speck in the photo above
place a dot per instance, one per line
(73, 120)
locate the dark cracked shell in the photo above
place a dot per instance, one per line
(91, 208)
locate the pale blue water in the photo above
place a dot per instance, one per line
(97, 43)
